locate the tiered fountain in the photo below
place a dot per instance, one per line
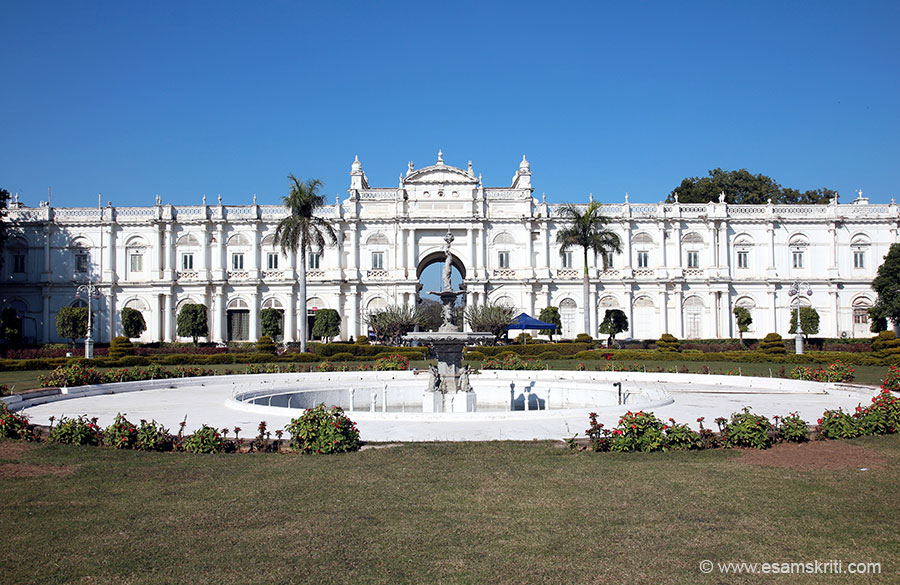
(449, 389)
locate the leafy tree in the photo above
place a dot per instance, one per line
(432, 314)
(550, 315)
(587, 231)
(392, 323)
(132, 322)
(879, 321)
(887, 286)
(272, 322)
(744, 320)
(614, 322)
(303, 231)
(493, 319)
(10, 326)
(744, 188)
(192, 322)
(327, 324)
(72, 323)
(809, 321)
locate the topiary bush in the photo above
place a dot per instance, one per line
(886, 344)
(323, 431)
(120, 347)
(362, 340)
(583, 338)
(550, 355)
(668, 342)
(772, 344)
(265, 345)
(475, 356)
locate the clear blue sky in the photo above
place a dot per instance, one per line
(183, 98)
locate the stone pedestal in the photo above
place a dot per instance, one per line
(457, 402)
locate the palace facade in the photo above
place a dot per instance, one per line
(682, 270)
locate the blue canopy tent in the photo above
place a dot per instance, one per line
(525, 321)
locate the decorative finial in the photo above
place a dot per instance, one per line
(449, 239)
(410, 168)
(626, 196)
(470, 168)
(591, 197)
(859, 192)
(254, 199)
(722, 197)
(158, 200)
(676, 196)
(204, 199)
(357, 166)
(440, 159)
(524, 167)
(544, 197)
(479, 178)
(220, 199)
(893, 201)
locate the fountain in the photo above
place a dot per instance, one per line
(449, 389)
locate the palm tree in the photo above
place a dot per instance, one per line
(588, 232)
(302, 230)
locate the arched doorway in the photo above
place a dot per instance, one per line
(568, 313)
(238, 320)
(430, 275)
(693, 317)
(644, 313)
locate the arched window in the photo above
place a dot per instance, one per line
(568, 314)
(134, 257)
(798, 245)
(859, 247)
(642, 244)
(17, 248)
(861, 325)
(743, 246)
(644, 315)
(692, 244)
(749, 304)
(189, 249)
(693, 317)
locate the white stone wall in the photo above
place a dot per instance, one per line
(693, 277)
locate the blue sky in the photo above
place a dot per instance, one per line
(184, 98)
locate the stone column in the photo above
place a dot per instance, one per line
(219, 327)
(679, 263)
(773, 311)
(219, 264)
(108, 253)
(45, 325)
(593, 309)
(48, 270)
(529, 250)
(255, 263)
(169, 254)
(663, 310)
(411, 260)
(168, 318)
(679, 312)
(770, 228)
(629, 309)
(837, 313)
(627, 248)
(254, 315)
(111, 322)
(353, 260)
(290, 316)
(714, 306)
(202, 260)
(662, 244)
(355, 329)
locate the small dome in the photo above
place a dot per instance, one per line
(357, 166)
(524, 166)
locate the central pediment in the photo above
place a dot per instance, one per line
(439, 174)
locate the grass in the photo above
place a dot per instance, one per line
(439, 513)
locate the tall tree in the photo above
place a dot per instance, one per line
(615, 321)
(809, 321)
(133, 323)
(327, 324)
(887, 286)
(72, 323)
(303, 231)
(742, 187)
(551, 315)
(272, 322)
(744, 319)
(587, 231)
(192, 321)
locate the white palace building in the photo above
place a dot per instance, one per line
(682, 269)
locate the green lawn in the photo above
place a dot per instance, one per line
(438, 513)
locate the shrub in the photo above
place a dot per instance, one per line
(220, 358)
(511, 361)
(121, 434)
(14, 425)
(325, 366)
(746, 429)
(837, 424)
(772, 344)
(881, 417)
(891, 381)
(68, 376)
(343, 356)
(524, 338)
(886, 344)
(362, 340)
(834, 372)
(550, 355)
(668, 342)
(133, 323)
(584, 338)
(680, 437)
(265, 345)
(134, 360)
(791, 428)
(206, 439)
(599, 437)
(588, 355)
(474, 356)
(76, 431)
(392, 363)
(119, 347)
(322, 431)
(152, 436)
(638, 431)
